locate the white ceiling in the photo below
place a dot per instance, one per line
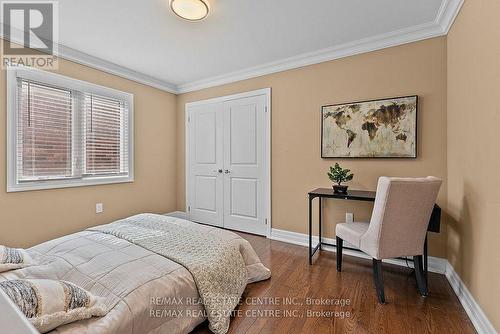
(144, 36)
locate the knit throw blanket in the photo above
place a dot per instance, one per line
(217, 265)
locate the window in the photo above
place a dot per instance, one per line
(64, 132)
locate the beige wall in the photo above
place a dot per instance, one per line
(27, 218)
(457, 80)
(297, 95)
(473, 154)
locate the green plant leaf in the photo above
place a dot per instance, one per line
(338, 175)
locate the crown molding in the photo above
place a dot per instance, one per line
(112, 68)
(447, 14)
(83, 58)
(440, 26)
(365, 45)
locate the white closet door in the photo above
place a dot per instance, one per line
(206, 162)
(245, 164)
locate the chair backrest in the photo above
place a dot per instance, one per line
(401, 214)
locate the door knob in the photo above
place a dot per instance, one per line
(217, 171)
(227, 171)
(220, 171)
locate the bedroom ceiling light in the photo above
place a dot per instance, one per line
(191, 10)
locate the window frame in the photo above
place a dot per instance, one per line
(57, 80)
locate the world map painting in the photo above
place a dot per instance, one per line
(372, 129)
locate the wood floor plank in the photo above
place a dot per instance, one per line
(294, 282)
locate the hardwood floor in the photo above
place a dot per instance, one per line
(279, 305)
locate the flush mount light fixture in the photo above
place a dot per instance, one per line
(191, 10)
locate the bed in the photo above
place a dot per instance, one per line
(144, 291)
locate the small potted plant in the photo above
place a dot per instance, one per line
(338, 175)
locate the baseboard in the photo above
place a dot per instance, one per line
(471, 307)
(177, 214)
(436, 264)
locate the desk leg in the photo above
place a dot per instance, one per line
(426, 259)
(320, 220)
(310, 230)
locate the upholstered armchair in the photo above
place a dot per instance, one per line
(397, 228)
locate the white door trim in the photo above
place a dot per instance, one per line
(267, 93)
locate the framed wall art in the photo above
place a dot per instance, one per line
(385, 128)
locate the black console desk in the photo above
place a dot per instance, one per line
(358, 195)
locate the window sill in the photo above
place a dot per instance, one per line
(56, 184)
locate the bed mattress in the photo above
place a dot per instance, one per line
(145, 292)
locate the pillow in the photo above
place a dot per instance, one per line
(14, 258)
(51, 303)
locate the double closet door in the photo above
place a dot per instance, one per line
(227, 163)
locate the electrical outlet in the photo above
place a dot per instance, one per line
(98, 208)
(349, 217)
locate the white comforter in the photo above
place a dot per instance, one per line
(146, 292)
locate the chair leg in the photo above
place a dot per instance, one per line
(420, 275)
(379, 282)
(340, 243)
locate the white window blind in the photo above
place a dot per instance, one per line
(66, 132)
(44, 132)
(106, 132)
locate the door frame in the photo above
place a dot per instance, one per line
(267, 181)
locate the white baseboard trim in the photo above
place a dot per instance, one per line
(471, 307)
(177, 214)
(436, 264)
